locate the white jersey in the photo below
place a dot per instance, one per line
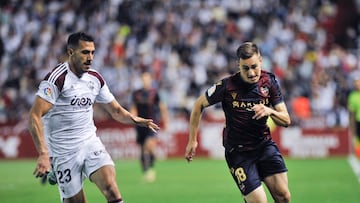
(69, 124)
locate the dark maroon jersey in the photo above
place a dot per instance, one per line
(237, 97)
(147, 103)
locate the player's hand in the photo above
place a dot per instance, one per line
(261, 111)
(146, 123)
(42, 166)
(190, 150)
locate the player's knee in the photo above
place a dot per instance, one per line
(282, 197)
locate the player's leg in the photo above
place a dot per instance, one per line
(105, 180)
(149, 158)
(256, 196)
(244, 172)
(278, 187)
(144, 158)
(69, 177)
(274, 173)
(78, 198)
(150, 148)
(140, 140)
(100, 169)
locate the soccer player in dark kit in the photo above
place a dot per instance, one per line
(147, 102)
(248, 97)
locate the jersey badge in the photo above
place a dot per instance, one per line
(47, 91)
(211, 90)
(264, 90)
(91, 85)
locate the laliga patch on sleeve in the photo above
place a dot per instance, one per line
(47, 91)
(211, 90)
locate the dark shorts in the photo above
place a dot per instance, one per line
(143, 133)
(249, 168)
(357, 129)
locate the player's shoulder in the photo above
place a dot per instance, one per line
(57, 73)
(268, 76)
(233, 81)
(267, 73)
(224, 82)
(96, 74)
(228, 78)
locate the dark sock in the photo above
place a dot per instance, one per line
(151, 160)
(145, 160)
(142, 160)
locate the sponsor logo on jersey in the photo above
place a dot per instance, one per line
(248, 105)
(82, 101)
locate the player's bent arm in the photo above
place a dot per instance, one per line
(35, 126)
(195, 118)
(280, 115)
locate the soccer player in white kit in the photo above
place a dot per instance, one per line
(62, 126)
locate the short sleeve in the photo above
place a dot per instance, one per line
(215, 93)
(48, 91)
(105, 96)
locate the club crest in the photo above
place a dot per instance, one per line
(264, 90)
(91, 85)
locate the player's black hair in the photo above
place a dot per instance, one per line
(73, 40)
(247, 50)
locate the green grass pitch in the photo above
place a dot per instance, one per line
(204, 180)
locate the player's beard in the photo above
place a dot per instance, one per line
(80, 67)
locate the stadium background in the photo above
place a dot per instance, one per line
(312, 47)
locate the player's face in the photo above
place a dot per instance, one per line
(81, 58)
(146, 79)
(250, 69)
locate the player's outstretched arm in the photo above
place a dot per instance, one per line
(195, 118)
(121, 115)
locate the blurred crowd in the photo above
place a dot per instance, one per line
(312, 46)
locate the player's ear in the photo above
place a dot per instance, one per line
(70, 51)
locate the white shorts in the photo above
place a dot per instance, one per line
(72, 169)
